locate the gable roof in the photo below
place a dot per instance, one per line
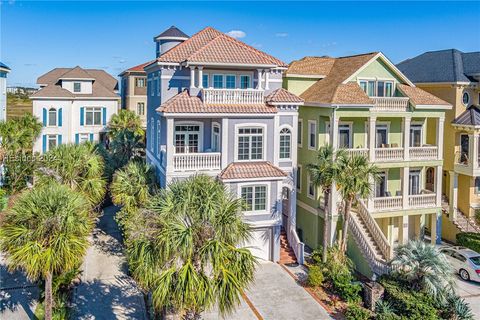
(313, 66)
(137, 68)
(251, 170)
(470, 117)
(212, 46)
(172, 32)
(282, 96)
(104, 85)
(420, 97)
(449, 65)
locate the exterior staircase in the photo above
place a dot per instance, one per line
(287, 255)
(462, 222)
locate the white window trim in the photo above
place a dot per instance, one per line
(382, 173)
(200, 133)
(250, 125)
(300, 145)
(309, 134)
(314, 188)
(208, 80)
(80, 83)
(387, 125)
(158, 138)
(420, 179)
(250, 84)
(216, 124)
(327, 132)
(285, 126)
(87, 135)
(423, 137)
(85, 116)
(469, 98)
(225, 81)
(267, 198)
(376, 80)
(47, 147)
(152, 133)
(299, 176)
(48, 118)
(350, 133)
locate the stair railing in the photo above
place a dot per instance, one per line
(297, 246)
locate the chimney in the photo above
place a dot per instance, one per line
(169, 39)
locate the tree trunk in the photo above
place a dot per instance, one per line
(48, 297)
(346, 218)
(326, 219)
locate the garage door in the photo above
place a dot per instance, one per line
(259, 245)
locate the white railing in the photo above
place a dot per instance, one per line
(197, 161)
(297, 246)
(398, 104)
(233, 96)
(357, 151)
(388, 154)
(423, 153)
(422, 200)
(387, 203)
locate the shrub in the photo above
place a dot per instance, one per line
(456, 308)
(315, 276)
(3, 199)
(384, 311)
(470, 240)
(356, 312)
(477, 216)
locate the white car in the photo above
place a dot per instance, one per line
(464, 261)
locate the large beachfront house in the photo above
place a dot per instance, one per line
(216, 106)
(454, 76)
(365, 105)
(3, 91)
(74, 105)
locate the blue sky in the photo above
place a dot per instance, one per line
(38, 36)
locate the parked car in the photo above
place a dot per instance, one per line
(464, 261)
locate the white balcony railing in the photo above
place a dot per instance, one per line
(423, 153)
(358, 151)
(233, 96)
(395, 104)
(387, 203)
(197, 161)
(389, 154)
(427, 199)
(422, 200)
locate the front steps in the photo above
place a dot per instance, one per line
(287, 256)
(465, 224)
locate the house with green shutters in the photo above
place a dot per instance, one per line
(365, 105)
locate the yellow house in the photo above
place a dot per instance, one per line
(454, 77)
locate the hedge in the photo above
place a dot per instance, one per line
(470, 240)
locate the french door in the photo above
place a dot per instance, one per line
(187, 138)
(414, 182)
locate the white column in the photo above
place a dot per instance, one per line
(474, 151)
(471, 146)
(453, 195)
(433, 228)
(405, 182)
(267, 73)
(259, 79)
(200, 77)
(334, 120)
(438, 185)
(371, 138)
(403, 230)
(224, 140)
(192, 77)
(170, 144)
(406, 138)
(440, 127)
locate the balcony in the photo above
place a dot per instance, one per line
(390, 104)
(233, 96)
(207, 161)
(394, 203)
(357, 152)
(423, 153)
(389, 154)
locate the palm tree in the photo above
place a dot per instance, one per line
(323, 174)
(80, 167)
(354, 179)
(189, 254)
(424, 267)
(45, 234)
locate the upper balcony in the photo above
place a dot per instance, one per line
(390, 104)
(393, 153)
(233, 96)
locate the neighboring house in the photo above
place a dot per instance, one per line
(74, 105)
(134, 90)
(216, 107)
(3, 91)
(454, 76)
(21, 90)
(365, 105)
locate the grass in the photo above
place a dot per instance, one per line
(18, 105)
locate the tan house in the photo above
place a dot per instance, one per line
(134, 90)
(454, 76)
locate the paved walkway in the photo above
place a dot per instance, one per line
(106, 291)
(275, 295)
(470, 291)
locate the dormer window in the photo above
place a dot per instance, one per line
(218, 81)
(245, 82)
(77, 87)
(379, 88)
(230, 81)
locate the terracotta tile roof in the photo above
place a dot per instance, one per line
(212, 46)
(184, 103)
(104, 85)
(331, 90)
(137, 68)
(470, 117)
(421, 97)
(251, 170)
(318, 66)
(282, 95)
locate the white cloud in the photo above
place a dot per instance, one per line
(237, 34)
(281, 34)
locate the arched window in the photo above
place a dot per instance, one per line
(285, 143)
(52, 117)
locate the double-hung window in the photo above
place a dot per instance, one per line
(299, 178)
(93, 116)
(285, 143)
(300, 132)
(83, 137)
(141, 108)
(77, 87)
(218, 81)
(312, 134)
(415, 135)
(255, 197)
(245, 82)
(140, 82)
(52, 117)
(215, 137)
(310, 187)
(51, 141)
(230, 82)
(250, 144)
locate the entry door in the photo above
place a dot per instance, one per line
(382, 135)
(464, 144)
(381, 185)
(285, 207)
(416, 135)
(187, 138)
(414, 180)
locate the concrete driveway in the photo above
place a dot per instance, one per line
(275, 295)
(470, 291)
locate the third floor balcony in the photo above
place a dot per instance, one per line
(233, 96)
(393, 104)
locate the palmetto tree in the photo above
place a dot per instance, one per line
(354, 179)
(188, 254)
(45, 233)
(323, 174)
(424, 267)
(80, 167)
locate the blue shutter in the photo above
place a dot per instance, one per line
(82, 115)
(44, 143)
(44, 117)
(77, 138)
(91, 136)
(60, 117)
(59, 139)
(104, 116)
